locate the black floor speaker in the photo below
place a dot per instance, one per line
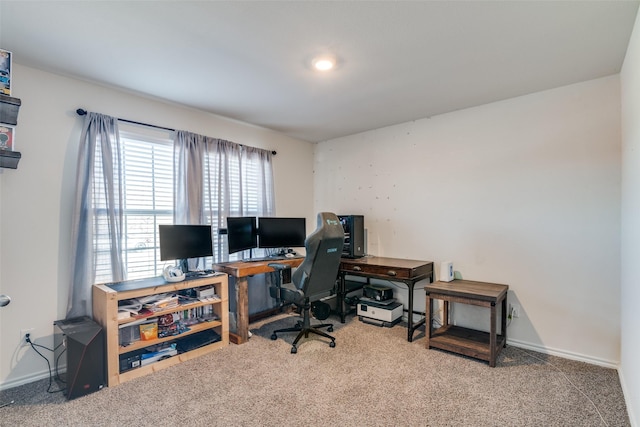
(79, 345)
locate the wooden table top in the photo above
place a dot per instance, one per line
(469, 289)
(386, 262)
(250, 268)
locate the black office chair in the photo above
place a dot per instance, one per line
(316, 276)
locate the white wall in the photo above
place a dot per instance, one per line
(36, 199)
(630, 287)
(524, 192)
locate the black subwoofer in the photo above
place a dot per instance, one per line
(79, 352)
(320, 310)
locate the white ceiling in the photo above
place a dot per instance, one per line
(249, 60)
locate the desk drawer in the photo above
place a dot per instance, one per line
(386, 271)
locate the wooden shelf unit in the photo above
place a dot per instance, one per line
(105, 312)
(469, 342)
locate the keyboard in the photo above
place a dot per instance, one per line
(270, 258)
(199, 273)
(266, 258)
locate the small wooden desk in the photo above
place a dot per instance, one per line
(477, 344)
(405, 271)
(241, 270)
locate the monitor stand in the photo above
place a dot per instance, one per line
(184, 265)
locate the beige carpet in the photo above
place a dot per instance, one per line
(373, 377)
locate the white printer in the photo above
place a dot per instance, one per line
(381, 313)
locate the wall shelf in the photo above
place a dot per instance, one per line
(9, 159)
(9, 108)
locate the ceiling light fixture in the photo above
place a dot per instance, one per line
(324, 63)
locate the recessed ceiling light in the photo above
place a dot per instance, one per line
(324, 63)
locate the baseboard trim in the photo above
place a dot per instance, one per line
(516, 343)
(37, 376)
(565, 354)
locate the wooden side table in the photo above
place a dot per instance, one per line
(469, 342)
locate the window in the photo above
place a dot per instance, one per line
(244, 196)
(147, 183)
(233, 186)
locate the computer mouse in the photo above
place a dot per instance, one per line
(289, 255)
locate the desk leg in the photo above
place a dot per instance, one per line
(428, 323)
(445, 313)
(342, 290)
(410, 325)
(504, 320)
(492, 336)
(242, 310)
(413, 326)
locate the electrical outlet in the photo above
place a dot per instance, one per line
(515, 310)
(23, 333)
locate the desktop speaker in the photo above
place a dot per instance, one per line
(446, 271)
(79, 344)
(353, 226)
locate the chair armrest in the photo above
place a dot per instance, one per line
(279, 266)
(284, 271)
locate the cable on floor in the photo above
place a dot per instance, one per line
(568, 380)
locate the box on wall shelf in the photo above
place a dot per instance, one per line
(5, 72)
(7, 137)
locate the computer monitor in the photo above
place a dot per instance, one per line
(276, 232)
(241, 233)
(182, 242)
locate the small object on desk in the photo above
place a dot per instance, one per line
(446, 271)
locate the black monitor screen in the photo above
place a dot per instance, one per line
(281, 232)
(185, 241)
(241, 233)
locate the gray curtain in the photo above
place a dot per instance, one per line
(211, 184)
(190, 153)
(98, 211)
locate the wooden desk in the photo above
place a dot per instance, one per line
(406, 271)
(241, 270)
(477, 344)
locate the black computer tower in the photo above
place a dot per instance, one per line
(353, 235)
(79, 343)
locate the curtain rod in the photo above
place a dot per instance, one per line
(83, 112)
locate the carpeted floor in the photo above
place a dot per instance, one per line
(373, 377)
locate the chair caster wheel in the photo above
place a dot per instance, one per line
(330, 329)
(294, 350)
(274, 337)
(332, 344)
